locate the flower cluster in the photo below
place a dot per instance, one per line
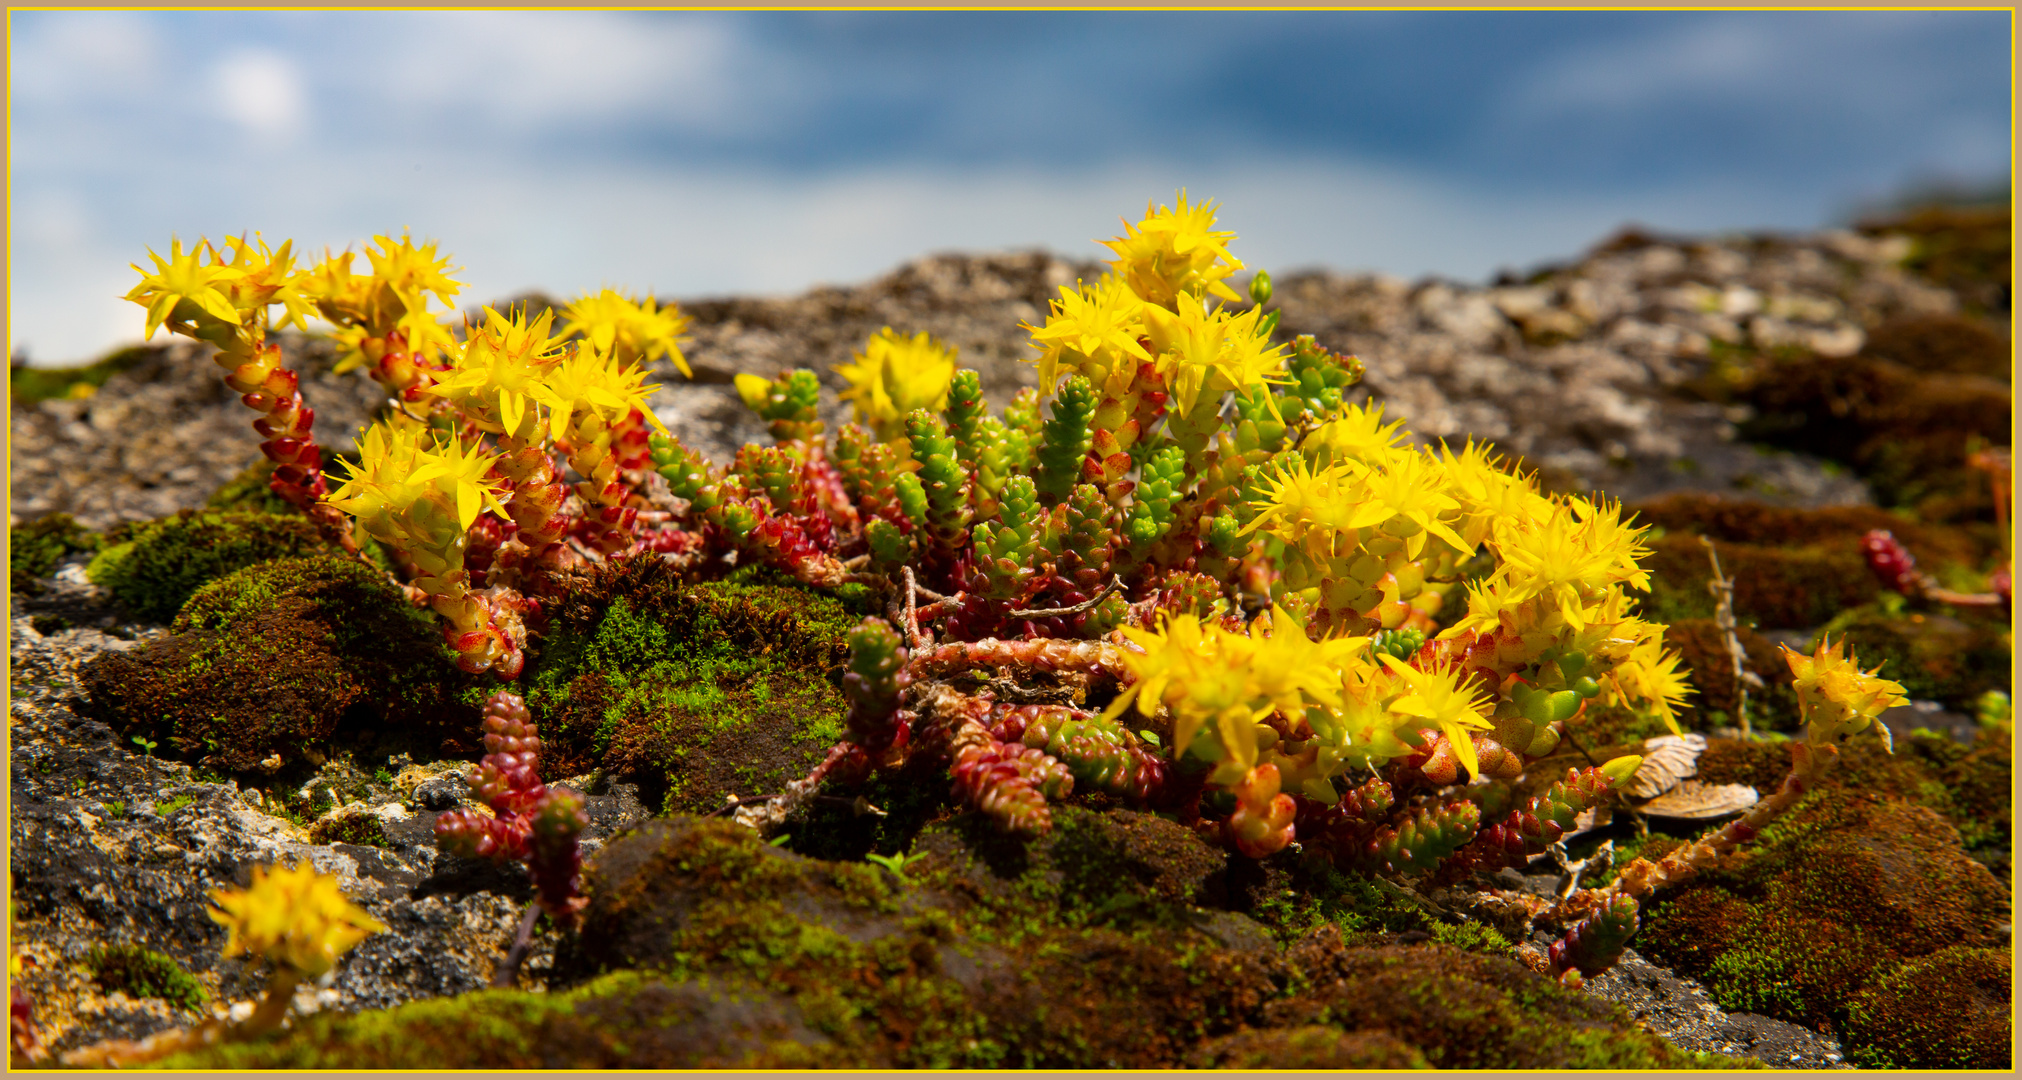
(1188, 570)
(462, 479)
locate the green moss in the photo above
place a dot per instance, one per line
(163, 562)
(705, 947)
(1473, 937)
(1355, 905)
(34, 548)
(144, 973)
(624, 1020)
(1949, 1010)
(1464, 1010)
(1841, 890)
(292, 657)
(363, 830)
(697, 691)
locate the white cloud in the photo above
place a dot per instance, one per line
(261, 91)
(1703, 58)
(82, 54)
(532, 67)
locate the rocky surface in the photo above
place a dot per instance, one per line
(111, 845)
(1680, 1010)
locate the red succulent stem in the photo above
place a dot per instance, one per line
(272, 390)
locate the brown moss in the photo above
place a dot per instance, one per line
(293, 658)
(1761, 765)
(1743, 521)
(1949, 1010)
(1463, 1010)
(1832, 896)
(1313, 1046)
(1773, 586)
(1947, 343)
(1906, 430)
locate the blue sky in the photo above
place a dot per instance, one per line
(695, 153)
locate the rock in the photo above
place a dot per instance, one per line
(1686, 1016)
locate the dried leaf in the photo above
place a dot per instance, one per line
(1667, 760)
(1694, 801)
(1594, 817)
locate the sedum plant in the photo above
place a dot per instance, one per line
(1187, 570)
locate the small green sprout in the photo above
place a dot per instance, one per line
(896, 863)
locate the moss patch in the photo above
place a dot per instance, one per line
(143, 973)
(155, 567)
(1906, 430)
(1776, 587)
(28, 385)
(295, 658)
(1948, 1010)
(697, 691)
(34, 548)
(703, 946)
(363, 830)
(1844, 889)
(628, 1020)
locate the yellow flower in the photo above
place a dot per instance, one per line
(1835, 696)
(1091, 329)
(1570, 557)
(895, 375)
(1487, 494)
(1650, 677)
(418, 492)
(265, 277)
(634, 331)
(497, 376)
(411, 271)
(1301, 505)
(1407, 498)
(1356, 433)
(1440, 696)
(590, 383)
(1207, 353)
(1209, 676)
(294, 917)
(183, 289)
(393, 297)
(1175, 252)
